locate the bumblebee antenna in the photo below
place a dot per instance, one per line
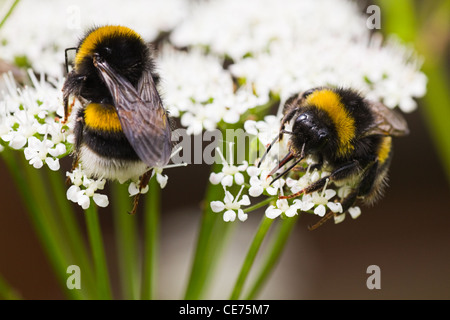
(271, 144)
(267, 150)
(66, 59)
(286, 171)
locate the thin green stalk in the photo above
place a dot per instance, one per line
(211, 238)
(401, 18)
(37, 202)
(251, 255)
(151, 240)
(98, 253)
(260, 204)
(274, 252)
(70, 226)
(8, 13)
(126, 241)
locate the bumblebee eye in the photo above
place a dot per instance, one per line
(302, 117)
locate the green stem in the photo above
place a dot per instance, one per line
(402, 19)
(250, 258)
(151, 240)
(11, 9)
(98, 253)
(210, 241)
(126, 242)
(260, 204)
(70, 226)
(281, 236)
(30, 184)
(7, 292)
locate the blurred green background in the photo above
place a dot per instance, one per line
(406, 234)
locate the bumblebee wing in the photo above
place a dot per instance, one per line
(387, 121)
(143, 119)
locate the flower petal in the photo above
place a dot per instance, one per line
(320, 210)
(83, 201)
(272, 212)
(53, 164)
(215, 178)
(217, 206)
(338, 218)
(133, 189)
(335, 207)
(245, 201)
(227, 181)
(229, 215)
(101, 200)
(239, 178)
(354, 212)
(162, 180)
(72, 193)
(241, 215)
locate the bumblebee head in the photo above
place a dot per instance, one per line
(309, 134)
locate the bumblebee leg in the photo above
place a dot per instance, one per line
(145, 178)
(367, 182)
(363, 189)
(66, 110)
(346, 204)
(285, 120)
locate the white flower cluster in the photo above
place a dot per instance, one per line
(197, 88)
(29, 121)
(289, 46)
(37, 32)
(255, 182)
(83, 189)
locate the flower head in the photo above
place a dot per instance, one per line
(231, 205)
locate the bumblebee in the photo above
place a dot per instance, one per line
(347, 135)
(121, 129)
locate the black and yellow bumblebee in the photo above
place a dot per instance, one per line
(347, 135)
(121, 129)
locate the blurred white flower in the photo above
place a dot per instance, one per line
(197, 88)
(29, 120)
(43, 47)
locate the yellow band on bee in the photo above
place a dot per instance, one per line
(330, 102)
(91, 41)
(385, 149)
(102, 117)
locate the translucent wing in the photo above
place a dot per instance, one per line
(144, 121)
(387, 121)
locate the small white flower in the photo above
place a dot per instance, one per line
(354, 212)
(133, 188)
(282, 206)
(322, 201)
(37, 151)
(231, 205)
(260, 182)
(162, 179)
(305, 203)
(230, 173)
(84, 188)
